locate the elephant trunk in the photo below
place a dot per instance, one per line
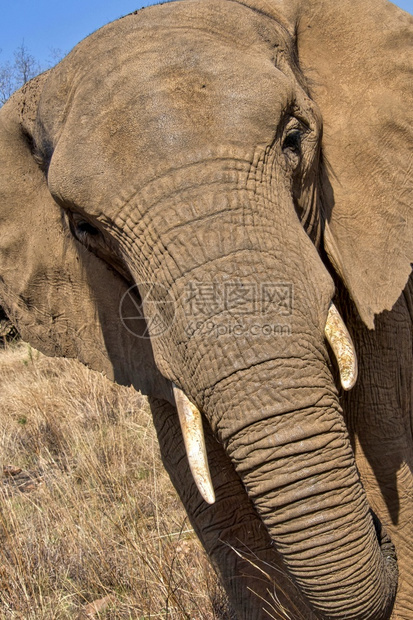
(246, 307)
(298, 469)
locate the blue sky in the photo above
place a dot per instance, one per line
(52, 24)
(55, 24)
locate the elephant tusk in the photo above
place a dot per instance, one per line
(193, 434)
(340, 341)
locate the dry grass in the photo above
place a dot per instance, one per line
(91, 517)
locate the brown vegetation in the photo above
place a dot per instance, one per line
(90, 525)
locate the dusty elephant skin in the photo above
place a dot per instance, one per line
(229, 169)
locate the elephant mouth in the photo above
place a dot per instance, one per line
(190, 417)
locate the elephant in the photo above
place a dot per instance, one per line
(210, 200)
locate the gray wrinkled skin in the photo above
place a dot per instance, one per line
(217, 172)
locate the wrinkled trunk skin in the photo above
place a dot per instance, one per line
(270, 399)
(251, 570)
(299, 471)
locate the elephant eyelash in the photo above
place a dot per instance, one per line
(42, 156)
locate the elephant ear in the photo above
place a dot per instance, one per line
(358, 58)
(54, 290)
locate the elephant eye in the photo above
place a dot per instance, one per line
(86, 228)
(95, 242)
(81, 229)
(292, 142)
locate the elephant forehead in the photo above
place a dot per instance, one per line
(207, 94)
(157, 110)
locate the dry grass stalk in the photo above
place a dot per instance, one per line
(90, 526)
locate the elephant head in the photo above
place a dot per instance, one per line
(180, 199)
